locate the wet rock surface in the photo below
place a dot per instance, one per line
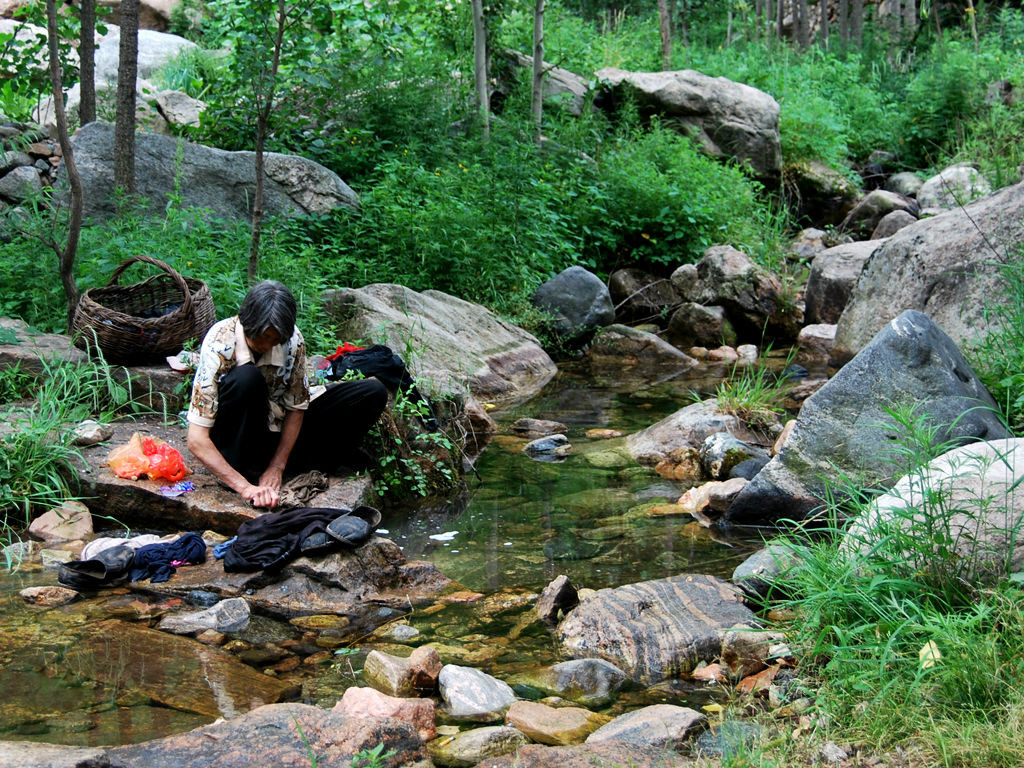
(139, 503)
(282, 735)
(655, 630)
(588, 755)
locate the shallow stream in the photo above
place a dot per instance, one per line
(521, 524)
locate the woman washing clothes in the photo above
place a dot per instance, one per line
(253, 417)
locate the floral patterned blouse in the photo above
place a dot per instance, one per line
(283, 367)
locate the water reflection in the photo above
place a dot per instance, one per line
(75, 675)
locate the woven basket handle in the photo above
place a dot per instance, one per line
(186, 305)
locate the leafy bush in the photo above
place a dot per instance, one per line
(657, 201)
(895, 619)
(999, 357)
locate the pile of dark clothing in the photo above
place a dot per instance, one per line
(123, 562)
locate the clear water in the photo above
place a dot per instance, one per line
(521, 524)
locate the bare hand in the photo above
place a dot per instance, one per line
(271, 478)
(261, 496)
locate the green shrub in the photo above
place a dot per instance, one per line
(656, 201)
(999, 357)
(898, 637)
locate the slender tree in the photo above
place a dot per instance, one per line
(264, 102)
(857, 22)
(665, 29)
(127, 72)
(87, 63)
(537, 91)
(972, 13)
(65, 254)
(803, 27)
(823, 23)
(844, 21)
(480, 74)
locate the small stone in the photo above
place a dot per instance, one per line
(603, 434)
(558, 596)
(424, 668)
(710, 673)
(367, 702)
(91, 432)
(48, 597)
(71, 520)
(553, 444)
(537, 427)
(833, 753)
(211, 637)
(563, 726)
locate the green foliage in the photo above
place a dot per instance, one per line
(656, 201)
(37, 451)
(999, 357)
(24, 55)
(939, 101)
(754, 394)
(371, 757)
(895, 616)
(411, 462)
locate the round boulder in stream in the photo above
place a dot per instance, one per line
(469, 694)
(656, 630)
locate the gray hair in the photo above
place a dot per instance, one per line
(268, 305)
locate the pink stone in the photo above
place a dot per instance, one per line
(368, 702)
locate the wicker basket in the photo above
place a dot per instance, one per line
(145, 322)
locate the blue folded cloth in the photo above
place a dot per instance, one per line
(157, 562)
(221, 549)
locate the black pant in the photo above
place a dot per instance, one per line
(332, 429)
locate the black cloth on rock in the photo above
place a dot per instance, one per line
(379, 361)
(153, 561)
(332, 428)
(272, 540)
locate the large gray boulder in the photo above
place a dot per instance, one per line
(156, 50)
(731, 119)
(844, 429)
(969, 501)
(562, 88)
(579, 302)
(952, 187)
(942, 266)
(213, 179)
(834, 272)
(450, 345)
(656, 630)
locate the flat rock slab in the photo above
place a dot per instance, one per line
(352, 584)
(22, 754)
(656, 630)
(280, 735)
(163, 666)
(138, 503)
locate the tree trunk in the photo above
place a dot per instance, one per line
(87, 63)
(823, 23)
(65, 255)
(665, 28)
(483, 96)
(127, 71)
(755, 33)
(972, 13)
(683, 16)
(857, 22)
(803, 38)
(537, 92)
(844, 22)
(262, 123)
(780, 17)
(728, 28)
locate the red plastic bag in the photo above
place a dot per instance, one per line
(147, 457)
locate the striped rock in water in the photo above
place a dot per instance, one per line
(656, 630)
